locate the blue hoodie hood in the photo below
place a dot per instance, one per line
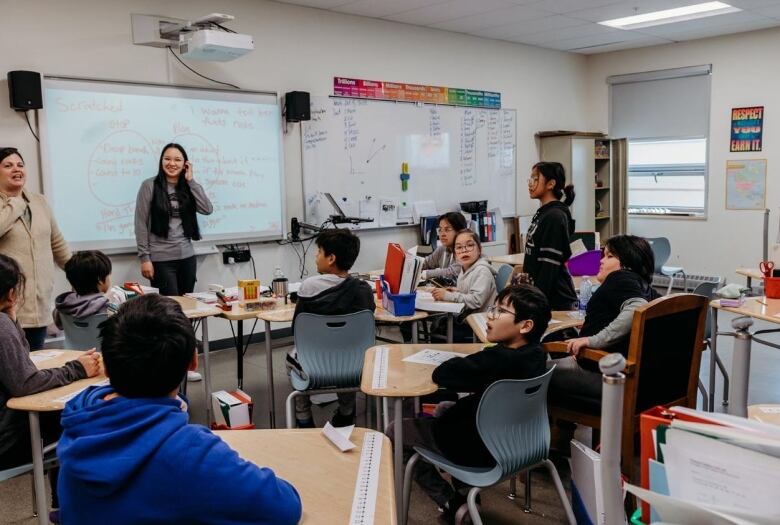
(105, 443)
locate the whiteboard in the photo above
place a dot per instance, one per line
(100, 140)
(354, 148)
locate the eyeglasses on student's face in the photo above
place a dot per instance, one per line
(444, 230)
(495, 311)
(469, 246)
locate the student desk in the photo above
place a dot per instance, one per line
(750, 274)
(196, 310)
(324, 477)
(47, 402)
(284, 314)
(564, 318)
(514, 259)
(757, 308)
(404, 380)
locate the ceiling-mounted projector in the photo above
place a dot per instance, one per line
(214, 46)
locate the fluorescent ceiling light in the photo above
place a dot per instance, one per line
(669, 16)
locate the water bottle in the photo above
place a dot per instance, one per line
(586, 290)
(279, 285)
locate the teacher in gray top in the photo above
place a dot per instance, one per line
(166, 223)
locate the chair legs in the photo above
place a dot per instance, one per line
(289, 408)
(512, 488)
(408, 486)
(704, 397)
(725, 380)
(561, 492)
(471, 501)
(527, 504)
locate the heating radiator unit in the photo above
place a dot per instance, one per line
(694, 280)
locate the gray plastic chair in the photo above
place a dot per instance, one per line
(708, 290)
(82, 334)
(502, 276)
(512, 422)
(330, 350)
(662, 250)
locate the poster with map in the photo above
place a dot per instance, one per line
(746, 184)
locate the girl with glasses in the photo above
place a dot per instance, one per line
(547, 243)
(442, 262)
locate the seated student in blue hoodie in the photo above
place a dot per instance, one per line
(89, 273)
(129, 456)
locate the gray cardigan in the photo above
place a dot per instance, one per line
(20, 377)
(441, 263)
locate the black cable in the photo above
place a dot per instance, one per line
(254, 271)
(223, 27)
(27, 118)
(202, 76)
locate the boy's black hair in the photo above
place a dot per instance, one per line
(529, 303)
(456, 220)
(147, 346)
(342, 243)
(86, 269)
(634, 253)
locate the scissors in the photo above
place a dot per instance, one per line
(766, 268)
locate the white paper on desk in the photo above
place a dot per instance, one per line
(428, 356)
(737, 437)
(339, 436)
(45, 355)
(205, 297)
(425, 301)
(706, 471)
(679, 512)
(68, 397)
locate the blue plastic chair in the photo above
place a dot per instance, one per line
(512, 422)
(330, 350)
(502, 276)
(662, 250)
(82, 334)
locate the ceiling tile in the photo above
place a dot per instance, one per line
(382, 8)
(678, 30)
(567, 6)
(752, 4)
(705, 31)
(319, 4)
(772, 12)
(448, 10)
(633, 44)
(496, 17)
(548, 25)
(628, 8)
(594, 40)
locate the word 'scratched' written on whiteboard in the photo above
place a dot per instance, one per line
(101, 140)
(354, 149)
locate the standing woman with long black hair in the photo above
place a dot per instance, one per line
(166, 223)
(547, 243)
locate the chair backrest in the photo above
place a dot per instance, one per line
(662, 250)
(502, 276)
(667, 338)
(512, 422)
(82, 334)
(708, 291)
(331, 347)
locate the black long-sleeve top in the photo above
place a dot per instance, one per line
(455, 432)
(546, 252)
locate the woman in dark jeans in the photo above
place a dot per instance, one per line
(166, 223)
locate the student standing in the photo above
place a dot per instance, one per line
(166, 223)
(547, 243)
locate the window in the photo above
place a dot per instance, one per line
(667, 177)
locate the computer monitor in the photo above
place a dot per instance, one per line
(336, 207)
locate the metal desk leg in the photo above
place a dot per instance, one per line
(38, 475)
(713, 356)
(740, 366)
(269, 375)
(240, 354)
(450, 327)
(414, 332)
(398, 458)
(204, 331)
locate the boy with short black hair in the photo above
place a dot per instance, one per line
(332, 292)
(89, 273)
(516, 323)
(129, 456)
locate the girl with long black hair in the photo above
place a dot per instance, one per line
(166, 223)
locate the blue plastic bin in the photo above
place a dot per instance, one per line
(398, 304)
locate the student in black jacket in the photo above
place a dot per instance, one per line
(547, 242)
(332, 292)
(515, 323)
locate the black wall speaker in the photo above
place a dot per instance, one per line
(297, 106)
(24, 90)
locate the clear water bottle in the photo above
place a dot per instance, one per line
(279, 285)
(586, 291)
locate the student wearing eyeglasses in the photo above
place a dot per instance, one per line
(442, 262)
(476, 287)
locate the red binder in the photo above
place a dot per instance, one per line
(394, 265)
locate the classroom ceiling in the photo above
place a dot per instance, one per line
(566, 25)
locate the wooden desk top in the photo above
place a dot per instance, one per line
(407, 379)
(46, 401)
(753, 273)
(284, 314)
(756, 307)
(324, 477)
(514, 259)
(195, 309)
(765, 413)
(564, 321)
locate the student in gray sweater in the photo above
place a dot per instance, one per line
(20, 377)
(166, 223)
